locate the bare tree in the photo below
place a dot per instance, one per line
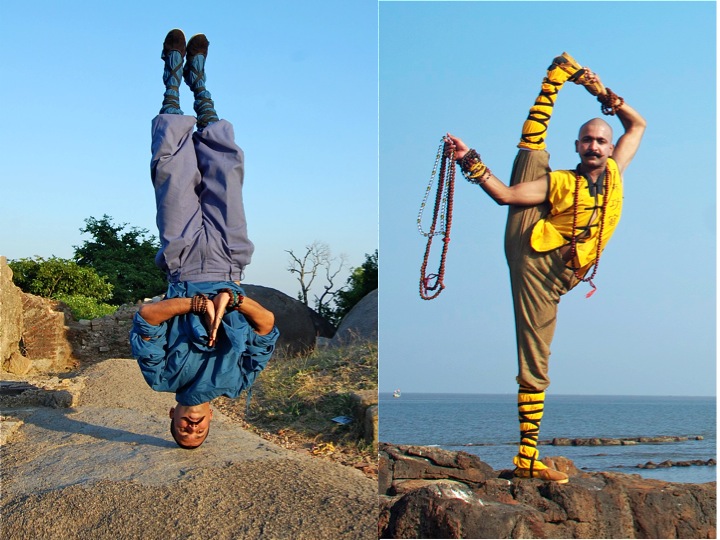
(317, 262)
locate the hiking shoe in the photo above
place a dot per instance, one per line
(194, 71)
(548, 474)
(564, 68)
(198, 44)
(174, 41)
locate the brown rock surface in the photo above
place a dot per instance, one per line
(11, 313)
(433, 501)
(107, 468)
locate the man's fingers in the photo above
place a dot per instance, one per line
(210, 315)
(219, 304)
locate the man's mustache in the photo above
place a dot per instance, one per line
(592, 154)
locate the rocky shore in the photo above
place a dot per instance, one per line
(434, 493)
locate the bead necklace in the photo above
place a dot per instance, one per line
(443, 211)
(574, 239)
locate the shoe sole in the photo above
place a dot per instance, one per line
(561, 481)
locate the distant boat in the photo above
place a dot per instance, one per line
(396, 393)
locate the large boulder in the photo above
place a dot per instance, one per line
(11, 314)
(433, 493)
(361, 322)
(298, 324)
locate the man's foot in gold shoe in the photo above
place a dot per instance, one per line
(564, 68)
(591, 82)
(547, 474)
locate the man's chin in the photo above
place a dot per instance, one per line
(593, 162)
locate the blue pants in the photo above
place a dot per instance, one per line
(198, 180)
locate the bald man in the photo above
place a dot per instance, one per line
(558, 224)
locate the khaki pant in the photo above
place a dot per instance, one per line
(538, 280)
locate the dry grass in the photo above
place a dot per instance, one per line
(295, 399)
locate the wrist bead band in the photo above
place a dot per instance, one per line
(235, 298)
(473, 169)
(481, 179)
(610, 102)
(198, 305)
(470, 159)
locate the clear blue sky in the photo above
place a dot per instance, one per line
(300, 83)
(474, 69)
(298, 80)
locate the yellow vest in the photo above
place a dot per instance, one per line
(555, 230)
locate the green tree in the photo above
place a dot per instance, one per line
(54, 277)
(125, 256)
(362, 280)
(81, 289)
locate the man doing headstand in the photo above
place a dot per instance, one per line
(558, 225)
(206, 338)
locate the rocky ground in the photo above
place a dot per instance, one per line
(433, 493)
(96, 460)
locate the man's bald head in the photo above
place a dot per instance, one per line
(594, 144)
(596, 122)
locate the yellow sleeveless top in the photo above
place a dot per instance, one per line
(555, 230)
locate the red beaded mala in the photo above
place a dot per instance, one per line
(574, 239)
(443, 211)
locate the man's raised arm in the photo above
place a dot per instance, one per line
(629, 142)
(633, 124)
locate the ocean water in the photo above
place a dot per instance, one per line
(487, 426)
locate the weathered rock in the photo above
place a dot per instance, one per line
(669, 463)
(44, 391)
(32, 331)
(298, 324)
(591, 505)
(421, 462)
(365, 411)
(18, 364)
(360, 324)
(11, 313)
(44, 335)
(594, 441)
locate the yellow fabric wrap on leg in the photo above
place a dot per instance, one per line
(562, 69)
(530, 412)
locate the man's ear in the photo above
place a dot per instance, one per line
(172, 412)
(576, 146)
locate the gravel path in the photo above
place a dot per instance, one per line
(108, 468)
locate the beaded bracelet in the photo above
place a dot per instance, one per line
(198, 305)
(480, 180)
(473, 169)
(235, 298)
(611, 102)
(469, 160)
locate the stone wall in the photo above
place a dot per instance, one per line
(33, 331)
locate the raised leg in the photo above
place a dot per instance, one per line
(221, 164)
(176, 180)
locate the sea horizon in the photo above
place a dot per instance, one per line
(487, 425)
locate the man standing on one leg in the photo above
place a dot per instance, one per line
(558, 225)
(206, 339)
